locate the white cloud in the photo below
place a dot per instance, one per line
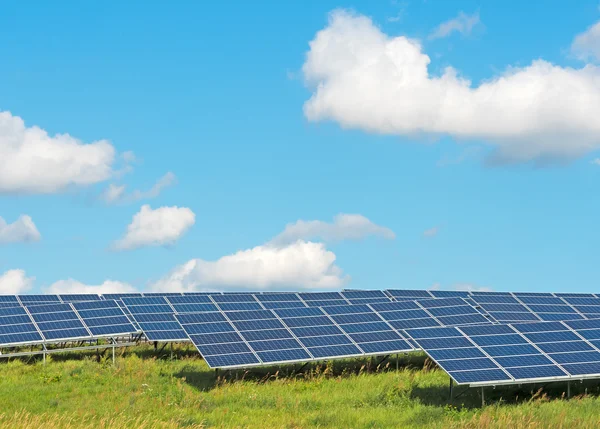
(73, 286)
(116, 193)
(471, 288)
(463, 24)
(586, 46)
(22, 230)
(300, 265)
(31, 161)
(160, 227)
(365, 79)
(596, 161)
(344, 227)
(14, 282)
(431, 232)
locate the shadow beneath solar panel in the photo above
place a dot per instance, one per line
(210, 379)
(465, 397)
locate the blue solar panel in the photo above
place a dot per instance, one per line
(357, 294)
(278, 297)
(452, 311)
(369, 301)
(34, 299)
(104, 318)
(117, 296)
(498, 340)
(17, 328)
(527, 360)
(9, 299)
(239, 306)
(449, 293)
(583, 324)
(321, 296)
(559, 316)
(487, 330)
(326, 303)
(58, 322)
(396, 306)
(78, 297)
(529, 372)
(155, 318)
(562, 347)
(467, 319)
(580, 357)
(469, 364)
(194, 308)
(189, 299)
(417, 294)
(505, 308)
(486, 375)
(513, 317)
(241, 297)
(583, 368)
(462, 353)
(494, 299)
(582, 301)
(283, 304)
(442, 302)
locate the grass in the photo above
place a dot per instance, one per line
(79, 390)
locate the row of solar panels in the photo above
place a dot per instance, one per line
(459, 334)
(46, 323)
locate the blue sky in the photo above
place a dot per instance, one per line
(225, 98)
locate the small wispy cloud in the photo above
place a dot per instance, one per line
(471, 288)
(431, 232)
(116, 194)
(596, 161)
(462, 23)
(400, 10)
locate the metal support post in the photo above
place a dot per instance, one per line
(482, 398)
(568, 389)
(451, 386)
(397, 359)
(113, 353)
(171, 350)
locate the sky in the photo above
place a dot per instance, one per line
(301, 145)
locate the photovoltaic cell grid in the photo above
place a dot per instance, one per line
(248, 338)
(58, 322)
(155, 317)
(16, 327)
(496, 354)
(104, 318)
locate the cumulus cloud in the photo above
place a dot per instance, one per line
(300, 265)
(344, 227)
(14, 282)
(33, 162)
(159, 227)
(365, 79)
(116, 193)
(74, 286)
(586, 46)
(463, 23)
(22, 230)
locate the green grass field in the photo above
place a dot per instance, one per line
(143, 391)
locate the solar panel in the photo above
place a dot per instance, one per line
(58, 322)
(117, 296)
(9, 299)
(34, 299)
(405, 315)
(217, 340)
(104, 318)
(77, 297)
(408, 294)
(449, 293)
(155, 317)
(16, 327)
(229, 298)
(364, 294)
(465, 362)
(367, 329)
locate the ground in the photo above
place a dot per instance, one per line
(146, 390)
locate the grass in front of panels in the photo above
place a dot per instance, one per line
(84, 390)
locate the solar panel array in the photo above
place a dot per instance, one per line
(229, 339)
(39, 320)
(479, 338)
(515, 353)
